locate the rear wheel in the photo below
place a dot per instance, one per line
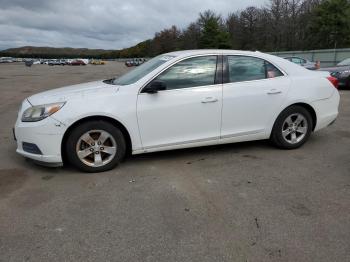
(292, 128)
(95, 146)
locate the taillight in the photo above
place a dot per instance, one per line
(333, 80)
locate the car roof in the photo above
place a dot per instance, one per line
(210, 51)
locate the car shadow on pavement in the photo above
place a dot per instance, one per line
(187, 154)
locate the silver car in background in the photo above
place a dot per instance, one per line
(303, 62)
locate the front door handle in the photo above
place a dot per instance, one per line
(274, 92)
(209, 99)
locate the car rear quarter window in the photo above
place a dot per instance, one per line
(191, 72)
(246, 68)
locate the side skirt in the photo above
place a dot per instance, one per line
(259, 135)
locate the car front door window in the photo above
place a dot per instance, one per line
(192, 72)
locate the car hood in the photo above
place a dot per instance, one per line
(335, 68)
(64, 94)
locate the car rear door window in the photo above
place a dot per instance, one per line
(246, 68)
(192, 72)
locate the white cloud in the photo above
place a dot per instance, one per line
(108, 24)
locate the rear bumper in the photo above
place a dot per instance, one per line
(326, 110)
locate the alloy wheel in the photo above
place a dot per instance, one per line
(96, 148)
(294, 128)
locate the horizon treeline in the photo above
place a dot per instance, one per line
(281, 25)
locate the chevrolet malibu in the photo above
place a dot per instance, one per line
(177, 100)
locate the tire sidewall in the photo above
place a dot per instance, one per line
(78, 131)
(277, 137)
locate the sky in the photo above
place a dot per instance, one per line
(105, 24)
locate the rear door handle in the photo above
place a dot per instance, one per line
(274, 92)
(209, 100)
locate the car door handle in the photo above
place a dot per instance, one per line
(274, 92)
(209, 100)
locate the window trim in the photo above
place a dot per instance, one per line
(218, 72)
(226, 71)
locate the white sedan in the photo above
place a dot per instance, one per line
(177, 100)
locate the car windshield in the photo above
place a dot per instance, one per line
(142, 70)
(345, 62)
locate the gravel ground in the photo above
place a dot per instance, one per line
(237, 202)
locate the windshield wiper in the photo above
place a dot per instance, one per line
(109, 81)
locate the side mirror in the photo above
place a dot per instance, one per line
(154, 87)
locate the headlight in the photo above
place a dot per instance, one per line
(37, 113)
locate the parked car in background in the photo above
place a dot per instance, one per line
(28, 62)
(177, 100)
(77, 62)
(135, 62)
(345, 62)
(129, 63)
(97, 62)
(342, 72)
(63, 62)
(7, 60)
(303, 62)
(54, 62)
(140, 61)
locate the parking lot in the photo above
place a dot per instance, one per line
(237, 202)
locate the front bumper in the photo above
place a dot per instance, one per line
(46, 135)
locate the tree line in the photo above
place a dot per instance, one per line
(281, 25)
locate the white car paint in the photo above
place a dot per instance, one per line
(181, 118)
(189, 118)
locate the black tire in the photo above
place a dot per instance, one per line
(276, 135)
(80, 130)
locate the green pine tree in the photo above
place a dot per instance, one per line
(213, 36)
(330, 24)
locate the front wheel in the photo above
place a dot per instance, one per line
(95, 146)
(292, 128)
